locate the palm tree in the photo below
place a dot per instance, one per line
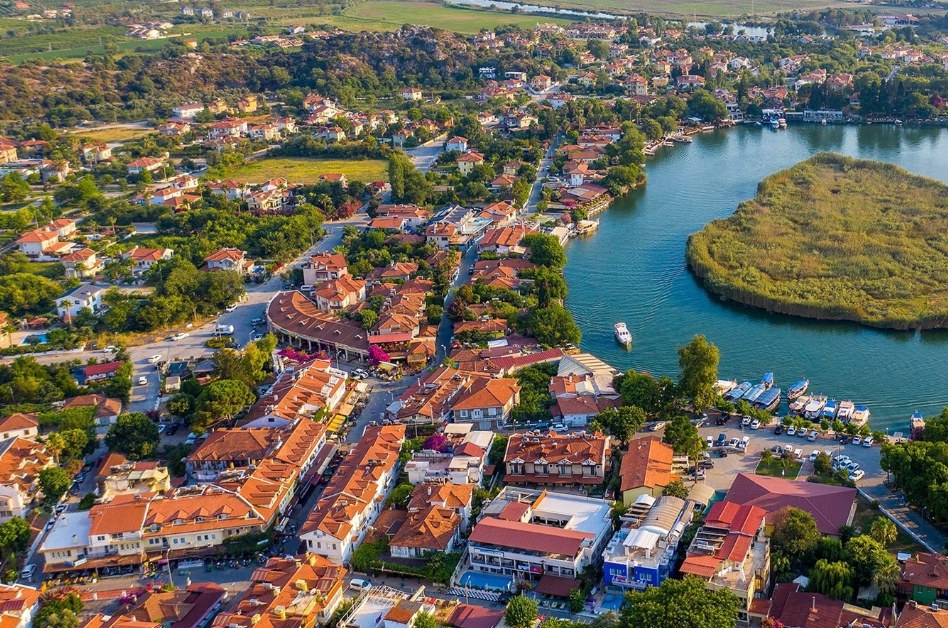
(785, 463)
(888, 575)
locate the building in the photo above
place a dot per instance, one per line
(96, 372)
(21, 461)
(355, 495)
(192, 607)
(410, 93)
(35, 243)
(646, 469)
(324, 267)
(186, 112)
(642, 552)
(795, 608)
(534, 458)
(470, 616)
(340, 294)
(81, 263)
(431, 529)
(228, 259)
(291, 592)
(486, 401)
(74, 300)
(19, 425)
(831, 506)
(467, 161)
(143, 259)
(463, 463)
(925, 578)
(295, 319)
(124, 477)
(731, 551)
(915, 616)
(18, 605)
(309, 391)
(107, 410)
(457, 143)
(145, 164)
(532, 535)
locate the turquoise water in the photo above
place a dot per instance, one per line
(633, 270)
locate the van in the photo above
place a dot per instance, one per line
(867, 442)
(798, 453)
(710, 440)
(27, 573)
(224, 329)
(358, 584)
(306, 288)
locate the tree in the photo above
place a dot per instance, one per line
(795, 533)
(15, 535)
(401, 495)
(866, 556)
(832, 579)
(545, 250)
(220, 400)
(425, 620)
(553, 325)
(883, 530)
(181, 405)
(684, 438)
(683, 603)
(134, 435)
(888, 574)
(54, 482)
(13, 188)
(704, 105)
(620, 423)
(640, 389)
(521, 612)
(59, 612)
(676, 488)
(698, 372)
(822, 465)
(577, 600)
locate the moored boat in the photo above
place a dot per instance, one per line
(845, 412)
(860, 415)
(798, 389)
(782, 123)
(814, 406)
(767, 380)
(798, 404)
(623, 337)
(752, 394)
(829, 410)
(768, 400)
(739, 391)
(724, 386)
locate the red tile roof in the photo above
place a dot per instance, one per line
(830, 505)
(470, 616)
(801, 609)
(529, 536)
(647, 463)
(557, 585)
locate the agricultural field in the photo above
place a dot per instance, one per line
(113, 134)
(306, 171)
(392, 15)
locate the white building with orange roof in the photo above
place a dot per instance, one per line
(18, 605)
(228, 259)
(35, 243)
(313, 389)
(143, 258)
(21, 461)
(340, 294)
(19, 425)
(356, 494)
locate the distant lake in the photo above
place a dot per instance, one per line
(633, 270)
(533, 8)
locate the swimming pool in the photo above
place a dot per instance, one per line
(482, 580)
(612, 602)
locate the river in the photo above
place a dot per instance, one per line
(633, 269)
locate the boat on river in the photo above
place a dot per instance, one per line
(798, 404)
(814, 407)
(767, 381)
(738, 391)
(829, 410)
(768, 400)
(797, 389)
(623, 337)
(752, 394)
(724, 386)
(845, 412)
(860, 415)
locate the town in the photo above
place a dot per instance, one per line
(286, 337)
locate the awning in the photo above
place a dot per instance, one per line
(96, 563)
(557, 586)
(345, 409)
(336, 423)
(322, 460)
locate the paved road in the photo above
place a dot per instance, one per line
(446, 327)
(425, 155)
(542, 171)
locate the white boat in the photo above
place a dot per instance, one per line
(798, 404)
(860, 415)
(845, 412)
(814, 407)
(623, 337)
(782, 122)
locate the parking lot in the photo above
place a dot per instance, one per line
(725, 469)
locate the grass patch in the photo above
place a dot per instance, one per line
(389, 15)
(863, 519)
(50, 270)
(307, 171)
(773, 469)
(835, 238)
(115, 134)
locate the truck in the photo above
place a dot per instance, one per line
(224, 329)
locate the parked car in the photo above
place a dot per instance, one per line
(722, 438)
(172, 429)
(230, 308)
(802, 432)
(755, 425)
(814, 454)
(857, 440)
(867, 442)
(792, 430)
(559, 428)
(142, 381)
(359, 584)
(778, 430)
(733, 443)
(858, 474)
(812, 436)
(722, 453)
(745, 421)
(706, 464)
(180, 336)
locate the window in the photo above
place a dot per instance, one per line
(464, 413)
(100, 538)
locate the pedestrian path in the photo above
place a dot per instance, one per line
(477, 594)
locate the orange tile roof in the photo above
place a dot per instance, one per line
(429, 529)
(21, 461)
(556, 448)
(18, 421)
(486, 392)
(647, 463)
(444, 495)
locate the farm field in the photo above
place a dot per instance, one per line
(386, 15)
(113, 134)
(302, 170)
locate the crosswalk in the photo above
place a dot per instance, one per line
(477, 594)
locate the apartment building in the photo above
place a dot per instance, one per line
(536, 458)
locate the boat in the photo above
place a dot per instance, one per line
(668, 143)
(584, 227)
(774, 123)
(767, 381)
(709, 127)
(814, 407)
(737, 392)
(724, 386)
(898, 122)
(845, 411)
(823, 121)
(752, 394)
(684, 139)
(798, 389)
(782, 123)
(829, 410)
(623, 337)
(768, 400)
(798, 404)
(860, 415)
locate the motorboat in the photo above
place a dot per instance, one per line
(845, 412)
(814, 407)
(860, 415)
(797, 389)
(767, 381)
(623, 337)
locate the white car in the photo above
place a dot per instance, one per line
(111, 349)
(154, 358)
(816, 452)
(755, 425)
(858, 474)
(142, 381)
(857, 440)
(791, 430)
(746, 421)
(230, 308)
(867, 442)
(813, 436)
(802, 432)
(180, 336)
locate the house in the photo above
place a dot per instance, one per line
(340, 294)
(541, 82)
(410, 93)
(174, 129)
(831, 506)
(231, 259)
(145, 164)
(7, 151)
(35, 243)
(335, 177)
(443, 234)
(21, 461)
(94, 153)
(467, 161)
(432, 529)
(925, 578)
(793, 607)
(143, 259)
(307, 392)
(118, 476)
(192, 607)
(247, 104)
(731, 551)
(332, 134)
(107, 410)
(471, 616)
(76, 299)
(646, 469)
(486, 401)
(457, 143)
(324, 267)
(915, 616)
(355, 495)
(642, 552)
(62, 227)
(404, 613)
(540, 459)
(536, 535)
(454, 497)
(302, 591)
(690, 81)
(267, 201)
(578, 411)
(97, 372)
(81, 263)
(187, 112)
(19, 425)
(637, 85)
(464, 464)
(18, 605)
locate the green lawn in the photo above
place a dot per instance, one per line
(307, 171)
(117, 134)
(773, 468)
(50, 270)
(376, 15)
(863, 519)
